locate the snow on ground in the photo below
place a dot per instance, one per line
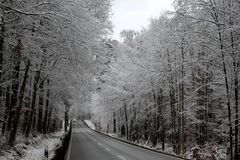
(33, 149)
(146, 144)
(90, 124)
(206, 153)
(113, 135)
(209, 151)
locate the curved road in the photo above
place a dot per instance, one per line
(89, 145)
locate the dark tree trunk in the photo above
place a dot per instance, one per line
(215, 16)
(161, 119)
(40, 109)
(45, 121)
(34, 96)
(236, 90)
(26, 117)
(49, 121)
(172, 102)
(18, 109)
(28, 108)
(154, 118)
(7, 107)
(236, 87)
(126, 119)
(34, 122)
(182, 108)
(227, 92)
(15, 83)
(67, 108)
(66, 121)
(1, 53)
(114, 123)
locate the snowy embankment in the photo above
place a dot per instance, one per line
(33, 149)
(90, 124)
(219, 152)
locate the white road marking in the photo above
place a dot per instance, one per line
(121, 157)
(100, 144)
(107, 149)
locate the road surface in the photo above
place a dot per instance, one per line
(89, 145)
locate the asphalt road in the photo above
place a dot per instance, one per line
(89, 145)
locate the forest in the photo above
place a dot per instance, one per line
(46, 62)
(173, 86)
(176, 83)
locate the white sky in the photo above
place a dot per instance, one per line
(135, 14)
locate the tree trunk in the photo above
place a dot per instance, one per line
(182, 109)
(236, 89)
(40, 109)
(7, 107)
(227, 92)
(162, 119)
(34, 96)
(67, 108)
(49, 118)
(1, 53)
(172, 102)
(17, 114)
(28, 101)
(221, 43)
(235, 69)
(126, 119)
(45, 121)
(154, 118)
(15, 82)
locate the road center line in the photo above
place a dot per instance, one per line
(100, 144)
(107, 149)
(121, 157)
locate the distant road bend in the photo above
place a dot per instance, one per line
(89, 145)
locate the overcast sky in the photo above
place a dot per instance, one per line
(135, 14)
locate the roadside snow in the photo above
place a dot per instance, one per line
(112, 135)
(33, 149)
(90, 124)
